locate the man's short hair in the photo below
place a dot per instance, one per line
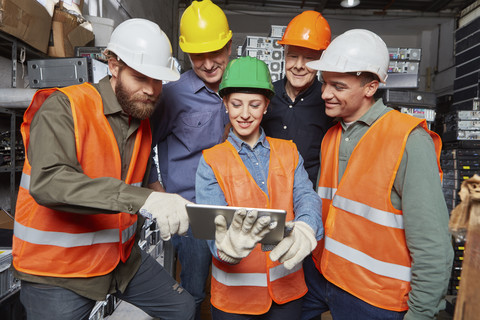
(365, 77)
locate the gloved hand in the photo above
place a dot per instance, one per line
(241, 237)
(296, 246)
(169, 210)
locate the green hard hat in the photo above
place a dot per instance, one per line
(246, 74)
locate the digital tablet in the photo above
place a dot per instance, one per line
(202, 218)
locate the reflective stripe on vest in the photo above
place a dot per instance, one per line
(251, 279)
(326, 193)
(379, 267)
(377, 216)
(69, 240)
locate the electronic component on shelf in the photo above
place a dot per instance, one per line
(58, 72)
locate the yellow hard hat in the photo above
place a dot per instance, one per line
(203, 28)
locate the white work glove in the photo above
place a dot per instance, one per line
(296, 246)
(170, 212)
(241, 237)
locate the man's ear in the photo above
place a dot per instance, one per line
(229, 48)
(371, 88)
(113, 65)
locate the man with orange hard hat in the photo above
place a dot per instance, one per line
(297, 111)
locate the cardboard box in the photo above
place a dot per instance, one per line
(26, 20)
(68, 31)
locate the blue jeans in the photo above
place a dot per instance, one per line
(287, 311)
(322, 296)
(195, 259)
(152, 289)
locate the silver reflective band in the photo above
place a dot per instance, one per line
(25, 181)
(280, 271)
(381, 217)
(129, 232)
(326, 193)
(136, 184)
(63, 239)
(382, 268)
(239, 279)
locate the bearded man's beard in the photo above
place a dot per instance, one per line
(139, 106)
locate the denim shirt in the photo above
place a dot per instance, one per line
(306, 203)
(189, 118)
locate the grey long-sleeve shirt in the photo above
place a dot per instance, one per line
(417, 191)
(58, 181)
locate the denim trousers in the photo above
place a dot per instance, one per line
(195, 259)
(322, 296)
(288, 311)
(152, 289)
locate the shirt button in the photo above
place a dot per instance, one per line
(285, 127)
(256, 163)
(301, 99)
(263, 182)
(347, 139)
(290, 106)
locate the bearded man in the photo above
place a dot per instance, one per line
(81, 206)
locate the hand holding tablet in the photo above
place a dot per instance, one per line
(202, 220)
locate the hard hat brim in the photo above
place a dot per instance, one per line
(322, 66)
(160, 73)
(205, 47)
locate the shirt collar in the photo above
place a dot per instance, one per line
(302, 94)
(239, 143)
(109, 99)
(373, 113)
(197, 83)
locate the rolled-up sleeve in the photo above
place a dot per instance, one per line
(307, 204)
(207, 191)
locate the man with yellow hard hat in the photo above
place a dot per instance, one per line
(189, 118)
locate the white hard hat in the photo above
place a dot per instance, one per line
(356, 50)
(144, 47)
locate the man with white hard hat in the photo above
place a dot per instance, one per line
(387, 252)
(81, 206)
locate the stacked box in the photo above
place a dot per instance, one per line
(277, 31)
(419, 104)
(462, 125)
(458, 165)
(454, 284)
(268, 50)
(466, 86)
(403, 68)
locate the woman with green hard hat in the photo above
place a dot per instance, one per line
(250, 170)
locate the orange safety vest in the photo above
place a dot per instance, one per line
(48, 242)
(250, 286)
(365, 251)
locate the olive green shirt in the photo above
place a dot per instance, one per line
(57, 181)
(418, 193)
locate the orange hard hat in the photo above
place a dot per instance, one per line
(309, 29)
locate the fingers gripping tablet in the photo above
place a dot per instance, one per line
(203, 226)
